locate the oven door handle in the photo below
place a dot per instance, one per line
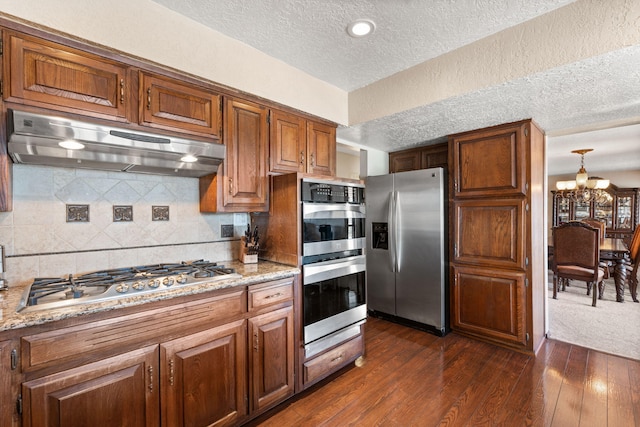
(319, 271)
(332, 211)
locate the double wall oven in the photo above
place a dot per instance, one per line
(333, 262)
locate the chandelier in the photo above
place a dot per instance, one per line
(584, 188)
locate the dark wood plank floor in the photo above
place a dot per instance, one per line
(412, 378)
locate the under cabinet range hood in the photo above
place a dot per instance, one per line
(55, 141)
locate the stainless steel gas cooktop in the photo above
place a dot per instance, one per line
(50, 293)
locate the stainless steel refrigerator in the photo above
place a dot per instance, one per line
(406, 252)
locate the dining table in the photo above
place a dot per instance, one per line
(616, 253)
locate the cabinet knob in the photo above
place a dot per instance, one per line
(121, 91)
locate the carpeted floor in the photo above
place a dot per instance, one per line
(610, 327)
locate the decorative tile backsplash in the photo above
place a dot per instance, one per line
(124, 227)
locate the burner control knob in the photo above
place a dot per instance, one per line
(138, 285)
(154, 283)
(122, 288)
(168, 281)
(182, 278)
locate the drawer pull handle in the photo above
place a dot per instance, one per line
(302, 157)
(121, 91)
(149, 99)
(150, 370)
(171, 371)
(313, 160)
(231, 186)
(255, 342)
(274, 295)
(337, 358)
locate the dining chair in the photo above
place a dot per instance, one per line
(576, 256)
(605, 265)
(634, 258)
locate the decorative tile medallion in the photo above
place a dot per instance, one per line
(77, 213)
(122, 213)
(160, 213)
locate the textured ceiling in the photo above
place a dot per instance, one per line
(311, 36)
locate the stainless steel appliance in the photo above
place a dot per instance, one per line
(39, 139)
(49, 293)
(406, 253)
(333, 262)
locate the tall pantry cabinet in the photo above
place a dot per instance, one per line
(496, 201)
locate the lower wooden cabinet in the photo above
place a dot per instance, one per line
(321, 366)
(271, 358)
(490, 303)
(6, 407)
(118, 391)
(216, 359)
(204, 377)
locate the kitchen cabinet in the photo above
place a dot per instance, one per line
(427, 157)
(120, 390)
(204, 377)
(271, 344)
(46, 74)
(173, 105)
(7, 400)
(620, 214)
(300, 145)
(271, 358)
(241, 182)
(498, 270)
(219, 358)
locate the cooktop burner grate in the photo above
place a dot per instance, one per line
(115, 283)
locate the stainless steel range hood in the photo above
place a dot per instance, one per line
(35, 139)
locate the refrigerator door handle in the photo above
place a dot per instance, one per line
(392, 231)
(397, 220)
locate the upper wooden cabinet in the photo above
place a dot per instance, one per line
(496, 203)
(173, 105)
(427, 157)
(321, 149)
(51, 75)
(241, 182)
(490, 162)
(299, 145)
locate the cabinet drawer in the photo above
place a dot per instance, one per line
(332, 360)
(43, 349)
(270, 294)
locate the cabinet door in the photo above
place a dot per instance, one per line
(245, 135)
(271, 357)
(48, 74)
(170, 104)
(489, 303)
(490, 162)
(490, 232)
(288, 143)
(404, 161)
(204, 377)
(7, 399)
(119, 391)
(434, 156)
(321, 149)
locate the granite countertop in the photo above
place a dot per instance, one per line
(251, 273)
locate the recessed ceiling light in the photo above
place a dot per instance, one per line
(361, 28)
(70, 144)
